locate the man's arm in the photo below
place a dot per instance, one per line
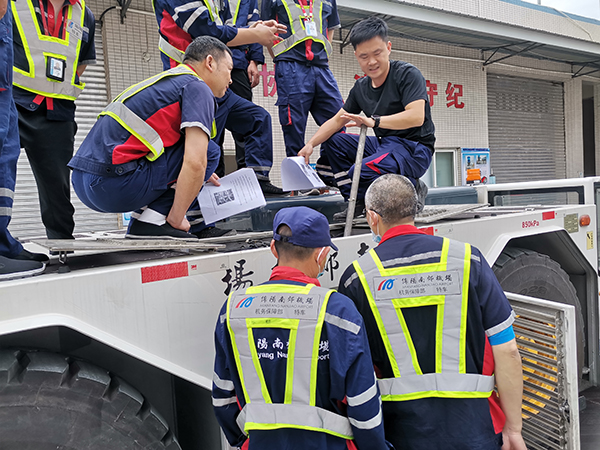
(412, 116)
(191, 176)
(263, 33)
(326, 130)
(224, 396)
(198, 22)
(3, 7)
(330, 34)
(509, 379)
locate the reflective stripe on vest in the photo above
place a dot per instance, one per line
(301, 310)
(444, 285)
(38, 47)
(234, 9)
(298, 29)
(173, 52)
(137, 126)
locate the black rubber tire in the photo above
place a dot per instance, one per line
(527, 272)
(48, 401)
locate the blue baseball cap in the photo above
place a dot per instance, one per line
(309, 227)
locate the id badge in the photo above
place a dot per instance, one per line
(311, 28)
(55, 68)
(75, 29)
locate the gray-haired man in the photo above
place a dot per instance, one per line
(440, 332)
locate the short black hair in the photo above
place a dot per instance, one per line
(203, 46)
(288, 249)
(367, 29)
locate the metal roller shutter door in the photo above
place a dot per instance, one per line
(526, 129)
(26, 221)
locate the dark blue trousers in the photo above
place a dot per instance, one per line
(151, 185)
(252, 123)
(388, 155)
(303, 89)
(9, 139)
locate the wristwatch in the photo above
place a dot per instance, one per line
(377, 119)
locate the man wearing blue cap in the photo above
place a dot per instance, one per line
(288, 352)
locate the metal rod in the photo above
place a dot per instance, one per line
(355, 179)
(514, 53)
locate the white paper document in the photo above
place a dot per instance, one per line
(239, 192)
(296, 175)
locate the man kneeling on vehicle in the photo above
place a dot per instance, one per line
(150, 150)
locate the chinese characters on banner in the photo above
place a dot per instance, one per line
(453, 92)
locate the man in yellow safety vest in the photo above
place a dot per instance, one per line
(53, 44)
(440, 331)
(292, 366)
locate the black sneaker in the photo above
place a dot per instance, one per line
(145, 230)
(213, 232)
(422, 190)
(28, 256)
(270, 190)
(14, 268)
(359, 212)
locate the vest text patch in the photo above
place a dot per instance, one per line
(276, 305)
(417, 285)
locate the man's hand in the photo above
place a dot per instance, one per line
(184, 225)
(512, 441)
(306, 151)
(214, 179)
(253, 74)
(267, 33)
(281, 28)
(357, 121)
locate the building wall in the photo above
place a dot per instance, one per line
(460, 120)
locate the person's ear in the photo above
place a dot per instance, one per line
(210, 63)
(322, 255)
(274, 250)
(374, 218)
(389, 46)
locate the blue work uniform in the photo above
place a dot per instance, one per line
(180, 21)
(9, 139)
(243, 14)
(406, 152)
(344, 371)
(47, 124)
(304, 81)
(112, 171)
(437, 422)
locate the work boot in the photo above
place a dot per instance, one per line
(145, 230)
(359, 212)
(422, 190)
(14, 268)
(270, 190)
(28, 256)
(213, 232)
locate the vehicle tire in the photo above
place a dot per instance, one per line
(527, 272)
(48, 401)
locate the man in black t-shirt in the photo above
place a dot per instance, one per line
(393, 96)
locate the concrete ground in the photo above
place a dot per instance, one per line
(589, 420)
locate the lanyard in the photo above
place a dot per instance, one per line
(307, 16)
(56, 25)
